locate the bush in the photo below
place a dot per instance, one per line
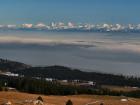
(40, 98)
(101, 104)
(69, 102)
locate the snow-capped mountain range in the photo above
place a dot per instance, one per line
(74, 26)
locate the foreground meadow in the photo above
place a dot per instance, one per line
(17, 98)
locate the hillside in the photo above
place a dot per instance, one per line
(10, 66)
(18, 98)
(65, 73)
(33, 80)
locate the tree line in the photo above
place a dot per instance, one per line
(36, 86)
(65, 73)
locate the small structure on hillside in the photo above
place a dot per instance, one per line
(11, 89)
(87, 84)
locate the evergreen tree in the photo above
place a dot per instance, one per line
(101, 104)
(40, 98)
(69, 102)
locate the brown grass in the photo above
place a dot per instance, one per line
(120, 88)
(18, 98)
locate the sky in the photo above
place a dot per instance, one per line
(80, 11)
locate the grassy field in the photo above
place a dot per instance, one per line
(18, 98)
(120, 88)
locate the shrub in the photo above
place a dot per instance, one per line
(69, 102)
(40, 98)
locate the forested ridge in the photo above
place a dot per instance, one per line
(66, 73)
(10, 66)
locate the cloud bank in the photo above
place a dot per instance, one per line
(99, 52)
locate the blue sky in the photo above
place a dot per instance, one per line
(90, 11)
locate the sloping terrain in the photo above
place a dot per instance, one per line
(66, 73)
(24, 99)
(10, 66)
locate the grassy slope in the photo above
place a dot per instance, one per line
(16, 98)
(120, 88)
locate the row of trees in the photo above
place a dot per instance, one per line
(53, 88)
(42, 87)
(65, 73)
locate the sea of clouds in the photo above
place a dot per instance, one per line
(103, 52)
